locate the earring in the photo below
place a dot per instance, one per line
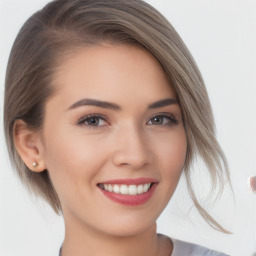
(35, 164)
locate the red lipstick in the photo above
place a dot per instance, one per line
(130, 192)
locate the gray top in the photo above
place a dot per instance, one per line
(181, 248)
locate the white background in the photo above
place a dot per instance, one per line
(221, 34)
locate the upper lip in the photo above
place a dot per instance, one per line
(134, 181)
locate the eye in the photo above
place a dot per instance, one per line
(92, 121)
(163, 119)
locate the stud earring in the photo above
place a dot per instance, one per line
(35, 164)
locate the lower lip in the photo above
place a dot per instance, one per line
(130, 200)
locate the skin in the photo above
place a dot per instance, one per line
(123, 143)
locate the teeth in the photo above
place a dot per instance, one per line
(140, 189)
(109, 188)
(116, 189)
(132, 190)
(126, 189)
(146, 187)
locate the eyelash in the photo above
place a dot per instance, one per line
(171, 120)
(86, 118)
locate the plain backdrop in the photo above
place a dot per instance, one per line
(221, 35)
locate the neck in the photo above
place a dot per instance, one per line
(84, 241)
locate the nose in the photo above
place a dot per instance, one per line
(131, 148)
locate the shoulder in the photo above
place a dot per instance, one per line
(181, 248)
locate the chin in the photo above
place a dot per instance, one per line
(130, 227)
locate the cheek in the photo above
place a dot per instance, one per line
(69, 148)
(173, 154)
(72, 161)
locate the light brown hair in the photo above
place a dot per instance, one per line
(67, 25)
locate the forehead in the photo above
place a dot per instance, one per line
(111, 71)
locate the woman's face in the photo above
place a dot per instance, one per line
(112, 129)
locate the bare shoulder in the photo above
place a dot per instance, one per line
(181, 248)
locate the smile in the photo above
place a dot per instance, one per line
(126, 189)
(129, 192)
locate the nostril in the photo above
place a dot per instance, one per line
(130, 158)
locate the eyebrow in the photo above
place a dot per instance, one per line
(113, 106)
(97, 103)
(163, 103)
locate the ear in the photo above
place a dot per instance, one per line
(28, 144)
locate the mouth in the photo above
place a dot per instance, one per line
(126, 189)
(129, 192)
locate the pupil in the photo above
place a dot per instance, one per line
(93, 121)
(157, 120)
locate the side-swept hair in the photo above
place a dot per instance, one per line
(67, 25)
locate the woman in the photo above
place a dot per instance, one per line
(104, 110)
